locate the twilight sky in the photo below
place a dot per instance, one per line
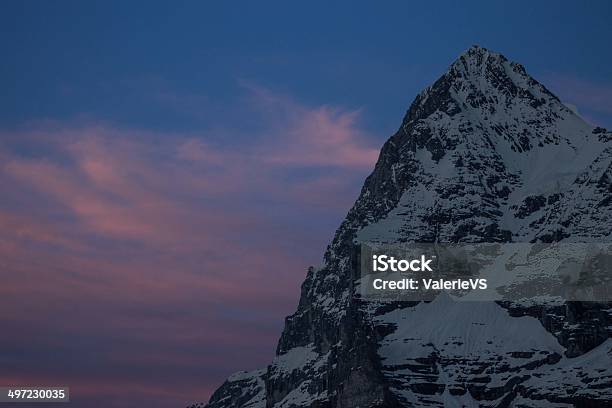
(168, 171)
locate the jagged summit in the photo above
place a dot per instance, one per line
(485, 141)
(482, 82)
(476, 59)
(485, 154)
(479, 58)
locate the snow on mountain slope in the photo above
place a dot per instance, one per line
(242, 389)
(489, 147)
(456, 347)
(485, 154)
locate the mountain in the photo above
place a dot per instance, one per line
(485, 154)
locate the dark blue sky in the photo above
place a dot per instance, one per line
(127, 62)
(168, 171)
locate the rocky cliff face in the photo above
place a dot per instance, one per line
(485, 154)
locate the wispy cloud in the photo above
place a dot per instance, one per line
(151, 251)
(319, 136)
(587, 95)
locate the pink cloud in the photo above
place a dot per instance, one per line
(137, 241)
(312, 136)
(591, 95)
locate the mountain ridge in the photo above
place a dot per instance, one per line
(485, 154)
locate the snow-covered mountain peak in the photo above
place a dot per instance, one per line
(486, 86)
(476, 60)
(481, 145)
(485, 154)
